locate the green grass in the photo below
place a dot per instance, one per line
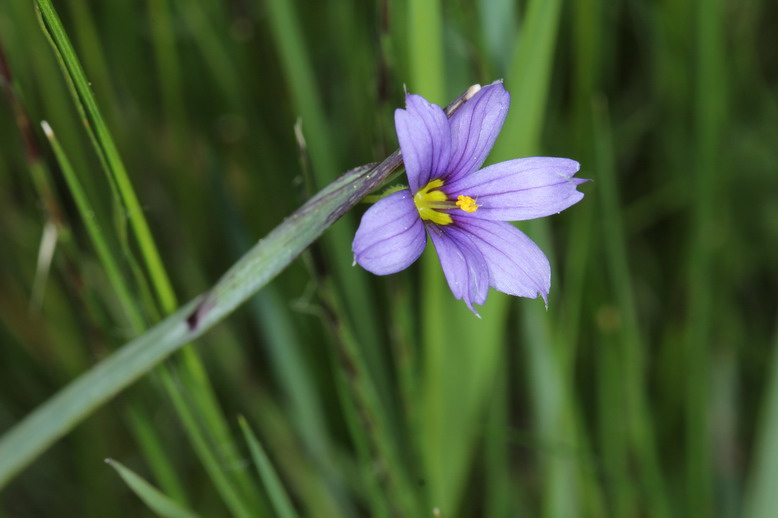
(178, 134)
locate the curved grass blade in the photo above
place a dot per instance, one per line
(20, 445)
(96, 235)
(58, 415)
(126, 204)
(151, 496)
(107, 150)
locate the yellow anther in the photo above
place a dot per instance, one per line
(466, 203)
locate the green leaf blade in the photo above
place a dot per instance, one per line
(151, 496)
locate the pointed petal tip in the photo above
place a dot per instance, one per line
(474, 89)
(410, 100)
(499, 90)
(496, 88)
(471, 308)
(517, 266)
(522, 189)
(416, 99)
(544, 295)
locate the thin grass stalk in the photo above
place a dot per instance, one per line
(106, 148)
(168, 67)
(95, 232)
(223, 482)
(297, 67)
(590, 34)
(117, 281)
(371, 490)
(639, 422)
(267, 473)
(214, 50)
(546, 366)
(199, 384)
(709, 108)
(372, 427)
(503, 497)
(156, 456)
(91, 51)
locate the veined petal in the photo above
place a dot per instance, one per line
(391, 235)
(474, 128)
(517, 266)
(425, 140)
(463, 264)
(525, 188)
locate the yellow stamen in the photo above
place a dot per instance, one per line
(430, 201)
(466, 203)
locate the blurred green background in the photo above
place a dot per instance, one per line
(648, 388)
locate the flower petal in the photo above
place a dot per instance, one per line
(425, 140)
(391, 235)
(474, 128)
(463, 264)
(525, 188)
(517, 266)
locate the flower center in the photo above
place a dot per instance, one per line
(430, 201)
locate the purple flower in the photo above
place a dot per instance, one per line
(465, 209)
